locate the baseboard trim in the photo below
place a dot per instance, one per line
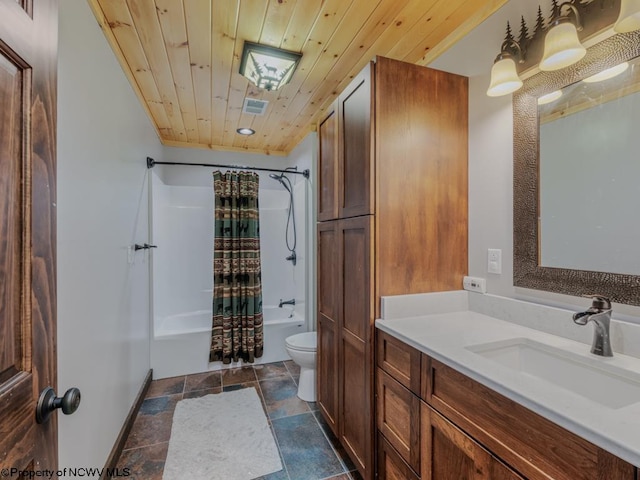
(118, 446)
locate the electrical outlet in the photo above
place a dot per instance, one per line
(475, 284)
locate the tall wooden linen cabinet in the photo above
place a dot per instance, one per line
(392, 220)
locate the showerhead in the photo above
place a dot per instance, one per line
(281, 178)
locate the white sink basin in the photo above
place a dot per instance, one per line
(592, 378)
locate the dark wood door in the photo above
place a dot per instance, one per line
(328, 166)
(28, 66)
(329, 292)
(355, 140)
(356, 350)
(449, 454)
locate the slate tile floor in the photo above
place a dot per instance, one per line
(308, 449)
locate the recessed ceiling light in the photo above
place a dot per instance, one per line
(245, 131)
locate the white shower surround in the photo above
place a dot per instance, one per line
(182, 273)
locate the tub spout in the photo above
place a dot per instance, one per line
(286, 302)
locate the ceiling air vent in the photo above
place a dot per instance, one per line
(254, 107)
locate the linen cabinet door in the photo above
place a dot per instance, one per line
(329, 294)
(356, 136)
(450, 454)
(328, 166)
(356, 351)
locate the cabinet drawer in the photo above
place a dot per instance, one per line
(399, 360)
(536, 447)
(451, 454)
(391, 466)
(398, 418)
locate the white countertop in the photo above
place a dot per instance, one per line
(445, 337)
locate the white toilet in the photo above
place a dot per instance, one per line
(302, 349)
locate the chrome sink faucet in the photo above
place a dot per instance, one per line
(600, 314)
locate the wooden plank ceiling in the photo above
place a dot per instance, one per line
(182, 58)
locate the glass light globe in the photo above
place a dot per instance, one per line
(504, 78)
(561, 47)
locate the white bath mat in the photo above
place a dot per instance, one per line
(221, 436)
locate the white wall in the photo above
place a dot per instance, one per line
(103, 302)
(490, 185)
(491, 159)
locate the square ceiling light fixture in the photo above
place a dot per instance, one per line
(267, 67)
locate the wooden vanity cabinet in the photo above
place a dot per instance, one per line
(450, 454)
(398, 406)
(392, 211)
(414, 441)
(527, 442)
(466, 430)
(391, 466)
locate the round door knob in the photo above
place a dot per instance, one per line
(48, 402)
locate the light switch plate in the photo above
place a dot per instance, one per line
(494, 261)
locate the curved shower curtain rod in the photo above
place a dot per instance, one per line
(152, 163)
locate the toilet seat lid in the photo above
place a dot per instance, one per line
(303, 341)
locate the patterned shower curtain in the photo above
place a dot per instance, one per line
(237, 287)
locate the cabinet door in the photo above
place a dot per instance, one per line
(328, 166)
(356, 351)
(399, 360)
(449, 454)
(390, 464)
(355, 163)
(421, 167)
(533, 445)
(398, 414)
(329, 284)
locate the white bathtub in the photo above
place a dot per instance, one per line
(180, 343)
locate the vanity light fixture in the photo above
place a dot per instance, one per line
(504, 76)
(554, 43)
(629, 18)
(245, 131)
(549, 97)
(562, 46)
(608, 73)
(267, 67)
